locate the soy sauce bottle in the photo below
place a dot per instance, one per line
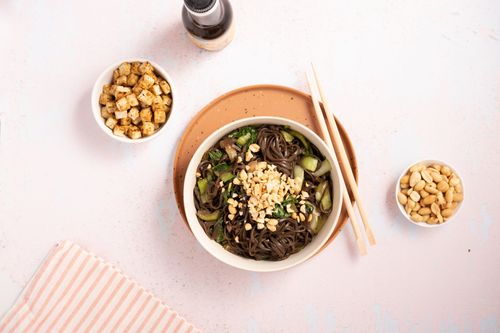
(209, 23)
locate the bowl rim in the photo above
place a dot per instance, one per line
(245, 263)
(401, 208)
(96, 91)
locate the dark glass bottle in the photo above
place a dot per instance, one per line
(209, 23)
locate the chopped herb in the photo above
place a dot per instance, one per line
(279, 212)
(215, 155)
(309, 208)
(218, 233)
(289, 200)
(220, 168)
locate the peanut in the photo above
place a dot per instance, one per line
(402, 198)
(415, 178)
(419, 186)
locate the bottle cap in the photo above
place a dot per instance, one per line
(199, 6)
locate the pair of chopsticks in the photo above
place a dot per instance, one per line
(331, 136)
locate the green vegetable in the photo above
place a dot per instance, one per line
(323, 168)
(309, 207)
(215, 155)
(208, 216)
(226, 176)
(303, 140)
(218, 232)
(244, 135)
(279, 212)
(298, 176)
(289, 200)
(287, 136)
(316, 223)
(220, 168)
(326, 200)
(243, 139)
(202, 185)
(319, 190)
(309, 163)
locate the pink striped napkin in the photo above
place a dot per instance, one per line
(76, 291)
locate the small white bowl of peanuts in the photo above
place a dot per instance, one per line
(429, 193)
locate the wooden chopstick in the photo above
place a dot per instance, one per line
(326, 137)
(344, 161)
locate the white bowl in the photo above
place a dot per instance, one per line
(249, 264)
(423, 224)
(105, 78)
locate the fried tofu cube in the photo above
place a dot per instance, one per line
(155, 89)
(125, 121)
(146, 115)
(134, 132)
(107, 89)
(122, 104)
(116, 75)
(112, 89)
(120, 130)
(134, 68)
(165, 87)
(133, 114)
(146, 97)
(104, 113)
(121, 91)
(111, 106)
(125, 68)
(146, 81)
(132, 100)
(160, 117)
(136, 90)
(122, 80)
(111, 122)
(104, 98)
(167, 100)
(146, 67)
(121, 114)
(132, 80)
(148, 128)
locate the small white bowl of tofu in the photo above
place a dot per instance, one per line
(132, 100)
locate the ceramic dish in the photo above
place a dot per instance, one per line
(249, 264)
(244, 102)
(402, 209)
(105, 78)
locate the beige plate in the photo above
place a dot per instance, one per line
(251, 101)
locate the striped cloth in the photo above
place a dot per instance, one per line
(76, 291)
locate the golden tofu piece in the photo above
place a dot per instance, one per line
(165, 87)
(125, 121)
(160, 117)
(120, 130)
(122, 80)
(155, 89)
(135, 68)
(104, 113)
(133, 114)
(146, 81)
(132, 79)
(134, 132)
(132, 100)
(121, 114)
(146, 115)
(136, 90)
(146, 67)
(116, 75)
(107, 89)
(122, 104)
(104, 98)
(146, 97)
(124, 69)
(122, 91)
(167, 100)
(111, 122)
(148, 128)
(111, 106)
(158, 105)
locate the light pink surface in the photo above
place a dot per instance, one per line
(410, 80)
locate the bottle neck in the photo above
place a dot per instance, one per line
(211, 17)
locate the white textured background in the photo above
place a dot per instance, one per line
(410, 80)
